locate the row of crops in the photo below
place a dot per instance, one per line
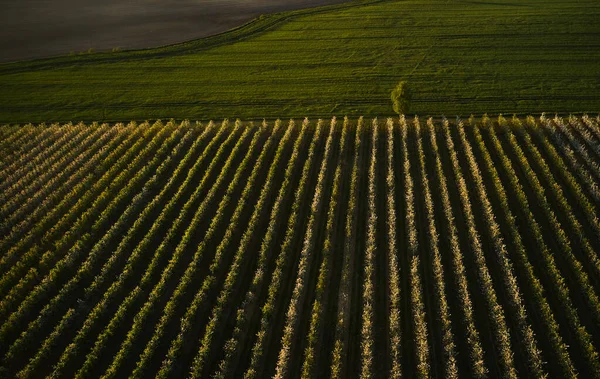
(335, 248)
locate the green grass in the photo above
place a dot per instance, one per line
(460, 57)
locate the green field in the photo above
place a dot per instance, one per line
(495, 56)
(302, 249)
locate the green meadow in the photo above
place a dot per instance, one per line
(458, 57)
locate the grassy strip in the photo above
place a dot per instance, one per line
(456, 65)
(251, 29)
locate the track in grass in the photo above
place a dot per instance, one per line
(344, 248)
(501, 56)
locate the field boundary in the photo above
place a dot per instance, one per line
(252, 28)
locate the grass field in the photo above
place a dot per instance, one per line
(497, 56)
(344, 248)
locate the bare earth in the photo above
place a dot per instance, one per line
(42, 28)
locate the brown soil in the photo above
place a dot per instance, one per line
(41, 28)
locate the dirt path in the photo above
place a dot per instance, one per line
(42, 28)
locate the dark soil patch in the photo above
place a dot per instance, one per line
(36, 29)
